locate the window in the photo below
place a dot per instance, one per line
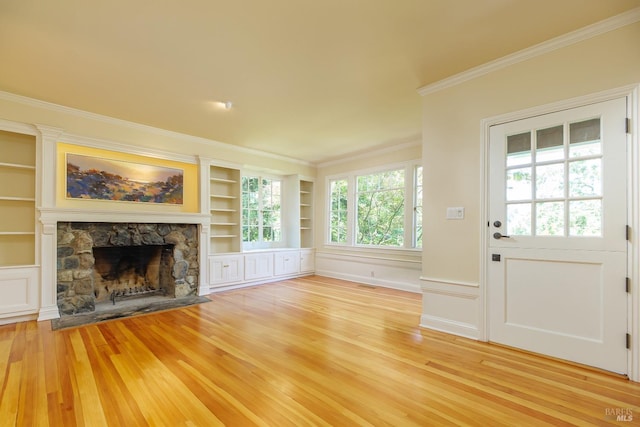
(554, 181)
(261, 210)
(381, 209)
(417, 201)
(338, 211)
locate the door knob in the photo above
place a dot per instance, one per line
(497, 224)
(497, 235)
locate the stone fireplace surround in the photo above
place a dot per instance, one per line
(81, 284)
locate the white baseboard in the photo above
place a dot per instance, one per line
(465, 330)
(393, 284)
(231, 286)
(17, 319)
(48, 313)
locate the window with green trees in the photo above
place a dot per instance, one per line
(338, 211)
(261, 210)
(377, 209)
(380, 208)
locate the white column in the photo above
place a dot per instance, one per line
(46, 198)
(203, 285)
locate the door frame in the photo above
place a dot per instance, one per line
(633, 206)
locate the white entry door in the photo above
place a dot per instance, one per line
(557, 248)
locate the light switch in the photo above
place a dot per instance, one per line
(455, 213)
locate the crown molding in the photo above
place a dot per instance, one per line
(11, 97)
(412, 142)
(585, 33)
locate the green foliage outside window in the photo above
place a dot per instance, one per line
(338, 214)
(380, 209)
(261, 210)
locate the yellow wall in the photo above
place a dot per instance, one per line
(452, 143)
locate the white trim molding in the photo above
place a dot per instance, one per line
(449, 282)
(560, 42)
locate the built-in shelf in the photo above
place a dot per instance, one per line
(17, 199)
(16, 166)
(224, 208)
(227, 181)
(306, 213)
(17, 233)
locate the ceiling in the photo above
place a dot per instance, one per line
(310, 80)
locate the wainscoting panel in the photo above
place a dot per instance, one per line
(377, 271)
(452, 307)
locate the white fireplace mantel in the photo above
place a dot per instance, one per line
(49, 217)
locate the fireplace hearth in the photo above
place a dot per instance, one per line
(104, 263)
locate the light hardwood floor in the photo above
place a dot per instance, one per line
(309, 351)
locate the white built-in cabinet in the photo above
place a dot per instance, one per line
(258, 265)
(228, 268)
(18, 241)
(228, 263)
(286, 262)
(307, 261)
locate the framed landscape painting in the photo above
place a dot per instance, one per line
(98, 178)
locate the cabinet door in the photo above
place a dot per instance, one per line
(258, 266)
(225, 269)
(307, 261)
(18, 291)
(286, 263)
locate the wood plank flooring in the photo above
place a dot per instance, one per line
(306, 352)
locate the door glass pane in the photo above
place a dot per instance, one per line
(519, 219)
(585, 218)
(519, 149)
(550, 181)
(584, 138)
(550, 219)
(519, 184)
(550, 144)
(585, 178)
